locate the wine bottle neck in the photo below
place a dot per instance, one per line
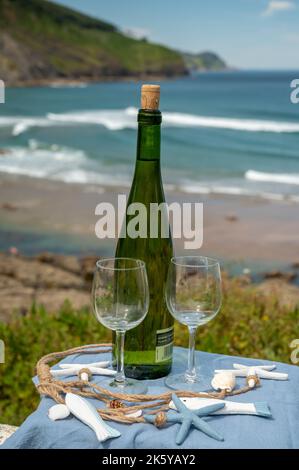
(149, 134)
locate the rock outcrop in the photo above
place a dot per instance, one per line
(48, 279)
(6, 431)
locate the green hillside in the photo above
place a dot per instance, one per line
(204, 61)
(41, 41)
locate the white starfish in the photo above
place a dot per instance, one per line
(262, 371)
(96, 368)
(82, 365)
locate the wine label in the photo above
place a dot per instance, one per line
(164, 344)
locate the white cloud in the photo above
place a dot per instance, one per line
(276, 6)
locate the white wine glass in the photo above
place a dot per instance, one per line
(120, 298)
(193, 297)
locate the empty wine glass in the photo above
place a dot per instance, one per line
(193, 297)
(120, 298)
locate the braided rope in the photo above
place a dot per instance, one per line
(156, 404)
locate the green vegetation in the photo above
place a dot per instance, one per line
(41, 40)
(249, 324)
(204, 61)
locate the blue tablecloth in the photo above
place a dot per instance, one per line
(239, 431)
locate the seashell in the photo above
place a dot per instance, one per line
(84, 376)
(252, 381)
(223, 381)
(87, 413)
(115, 404)
(252, 378)
(59, 411)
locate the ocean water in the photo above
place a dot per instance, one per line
(232, 133)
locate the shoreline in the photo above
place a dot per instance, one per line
(239, 229)
(78, 81)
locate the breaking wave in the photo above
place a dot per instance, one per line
(283, 178)
(54, 162)
(118, 119)
(68, 165)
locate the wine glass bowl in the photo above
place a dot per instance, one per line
(193, 297)
(120, 299)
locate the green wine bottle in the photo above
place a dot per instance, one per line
(148, 348)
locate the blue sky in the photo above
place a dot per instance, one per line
(256, 34)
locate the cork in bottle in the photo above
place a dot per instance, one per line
(150, 97)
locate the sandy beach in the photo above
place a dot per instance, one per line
(38, 214)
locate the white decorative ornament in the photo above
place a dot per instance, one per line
(82, 365)
(252, 377)
(87, 413)
(134, 414)
(230, 408)
(224, 381)
(70, 371)
(84, 376)
(262, 372)
(59, 411)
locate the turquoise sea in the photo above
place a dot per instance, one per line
(231, 133)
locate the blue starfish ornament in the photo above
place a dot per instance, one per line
(188, 418)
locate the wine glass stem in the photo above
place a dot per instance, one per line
(190, 372)
(120, 342)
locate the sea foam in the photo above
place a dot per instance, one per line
(283, 178)
(119, 119)
(70, 165)
(126, 119)
(58, 163)
(40, 161)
